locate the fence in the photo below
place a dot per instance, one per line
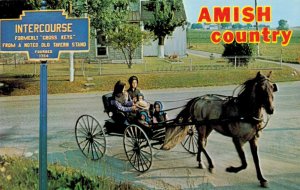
(96, 67)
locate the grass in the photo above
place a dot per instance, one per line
(200, 40)
(158, 79)
(154, 74)
(21, 173)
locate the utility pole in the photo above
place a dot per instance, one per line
(43, 178)
(256, 23)
(72, 70)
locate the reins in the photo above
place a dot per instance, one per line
(179, 100)
(175, 108)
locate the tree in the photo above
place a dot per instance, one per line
(51, 4)
(283, 25)
(225, 25)
(197, 26)
(128, 43)
(105, 15)
(243, 51)
(237, 26)
(248, 26)
(164, 20)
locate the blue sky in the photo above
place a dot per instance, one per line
(281, 9)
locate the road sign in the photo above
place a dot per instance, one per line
(43, 35)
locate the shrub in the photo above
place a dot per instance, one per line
(22, 173)
(242, 51)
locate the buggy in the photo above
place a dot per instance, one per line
(138, 139)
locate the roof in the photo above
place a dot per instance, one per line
(148, 15)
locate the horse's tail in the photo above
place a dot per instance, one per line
(185, 115)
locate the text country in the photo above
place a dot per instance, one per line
(253, 36)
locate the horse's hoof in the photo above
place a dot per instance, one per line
(211, 170)
(230, 170)
(264, 184)
(201, 166)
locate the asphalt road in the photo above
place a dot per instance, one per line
(279, 148)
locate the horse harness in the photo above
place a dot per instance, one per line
(227, 120)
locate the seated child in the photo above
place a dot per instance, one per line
(141, 104)
(144, 119)
(159, 115)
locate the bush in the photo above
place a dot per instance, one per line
(242, 51)
(22, 173)
(8, 86)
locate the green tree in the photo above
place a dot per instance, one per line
(105, 15)
(248, 26)
(164, 20)
(225, 25)
(128, 43)
(51, 4)
(283, 25)
(236, 53)
(197, 26)
(237, 26)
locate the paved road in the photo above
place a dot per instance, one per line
(175, 169)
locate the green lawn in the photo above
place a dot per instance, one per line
(200, 40)
(190, 72)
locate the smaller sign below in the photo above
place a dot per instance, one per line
(43, 35)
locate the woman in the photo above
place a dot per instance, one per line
(122, 102)
(133, 91)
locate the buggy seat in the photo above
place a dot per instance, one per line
(106, 99)
(112, 112)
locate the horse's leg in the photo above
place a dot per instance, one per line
(203, 132)
(238, 145)
(201, 138)
(253, 146)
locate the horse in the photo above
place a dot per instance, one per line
(239, 117)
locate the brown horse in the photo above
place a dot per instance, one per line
(237, 117)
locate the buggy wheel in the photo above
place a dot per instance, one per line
(137, 148)
(190, 142)
(90, 137)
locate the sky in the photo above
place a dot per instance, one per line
(281, 9)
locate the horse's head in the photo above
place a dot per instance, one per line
(259, 92)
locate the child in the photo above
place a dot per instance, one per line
(159, 115)
(141, 103)
(144, 119)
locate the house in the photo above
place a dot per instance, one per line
(174, 45)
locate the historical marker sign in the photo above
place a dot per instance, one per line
(43, 35)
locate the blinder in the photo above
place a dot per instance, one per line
(275, 88)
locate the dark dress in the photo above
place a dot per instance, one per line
(133, 93)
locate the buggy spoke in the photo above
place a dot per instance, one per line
(87, 127)
(83, 141)
(146, 157)
(97, 148)
(84, 128)
(99, 143)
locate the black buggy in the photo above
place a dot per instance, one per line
(138, 140)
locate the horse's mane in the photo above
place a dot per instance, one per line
(185, 114)
(246, 96)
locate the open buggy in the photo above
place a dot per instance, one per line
(138, 139)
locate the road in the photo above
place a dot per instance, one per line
(279, 148)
